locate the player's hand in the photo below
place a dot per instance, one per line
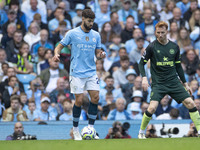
(145, 83)
(56, 57)
(102, 54)
(188, 88)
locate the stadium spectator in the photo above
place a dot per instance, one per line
(3, 18)
(13, 88)
(184, 41)
(14, 113)
(148, 26)
(54, 23)
(126, 11)
(194, 86)
(153, 5)
(120, 74)
(33, 34)
(24, 101)
(31, 7)
(184, 5)
(131, 44)
(177, 18)
(24, 61)
(11, 28)
(190, 61)
(194, 21)
(151, 131)
(18, 132)
(53, 4)
(59, 105)
(2, 108)
(136, 97)
(14, 5)
(136, 54)
(4, 67)
(48, 54)
(164, 106)
(134, 110)
(127, 32)
(106, 34)
(3, 59)
(192, 131)
(67, 115)
(102, 16)
(173, 32)
(38, 20)
(35, 91)
(166, 13)
(44, 42)
(49, 76)
(117, 132)
(197, 103)
(4, 85)
(173, 114)
(117, 93)
(12, 18)
(110, 105)
(116, 25)
(62, 86)
(119, 113)
(127, 88)
(118, 4)
(12, 47)
(78, 18)
(45, 114)
(193, 7)
(31, 110)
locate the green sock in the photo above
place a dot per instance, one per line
(196, 119)
(145, 121)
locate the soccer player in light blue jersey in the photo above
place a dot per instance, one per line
(85, 45)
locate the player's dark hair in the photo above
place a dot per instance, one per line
(123, 58)
(88, 13)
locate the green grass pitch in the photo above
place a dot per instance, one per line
(116, 144)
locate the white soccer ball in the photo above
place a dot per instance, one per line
(88, 133)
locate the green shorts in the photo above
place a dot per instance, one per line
(176, 91)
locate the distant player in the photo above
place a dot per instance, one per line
(85, 44)
(165, 65)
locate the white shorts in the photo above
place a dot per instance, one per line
(79, 85)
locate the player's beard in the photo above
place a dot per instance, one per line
(87, 27)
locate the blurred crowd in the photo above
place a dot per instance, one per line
(35, 88)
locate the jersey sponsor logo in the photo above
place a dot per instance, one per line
(94, 40)
(171, 51)
(165, 58)
(166, 63)
(87, 38)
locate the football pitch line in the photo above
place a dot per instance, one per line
(110, 144)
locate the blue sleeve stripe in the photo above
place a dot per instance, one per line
(63, 44)
(98, 48)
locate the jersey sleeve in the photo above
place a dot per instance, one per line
(98, 46)
(67, 39)
(144, 59)
(178, 56)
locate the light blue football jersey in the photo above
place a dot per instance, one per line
(83, 46)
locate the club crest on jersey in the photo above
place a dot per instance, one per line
(94, 40)
(171, 51)
(158, 51)
(87, 38)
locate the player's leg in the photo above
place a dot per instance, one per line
(92, 86)
(194, 114)
(147, 117)
(76, 87)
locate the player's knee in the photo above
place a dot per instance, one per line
(189, 103)
(78, 102)
(95, 99)
(151, 109)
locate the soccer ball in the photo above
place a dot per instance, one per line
(88, 133)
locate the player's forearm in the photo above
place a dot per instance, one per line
(141, 67)
(58, 48)
(180, 72)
